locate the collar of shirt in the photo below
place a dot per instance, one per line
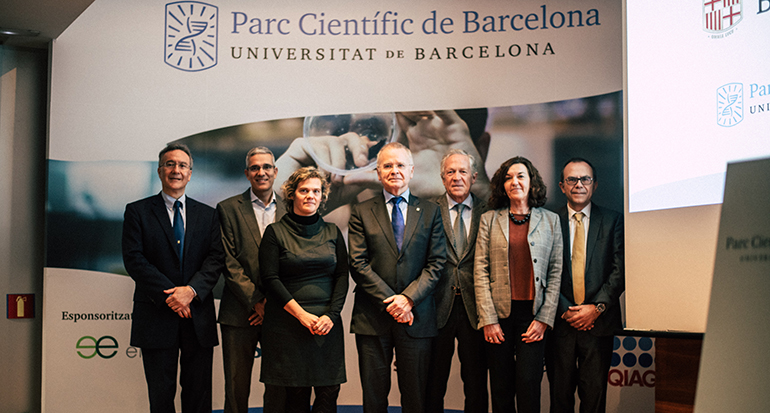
(389, 196)
(169, 201)
(467, 214)
(468, 202)
(586, 223)
(265, 214)
(402, 205)
(586, 211)
(259, 202)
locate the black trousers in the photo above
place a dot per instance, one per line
(298, 399)
(239, 346)
(515, 367)
(160, 371)
(473, 362)
(375, 355)
(578, 360)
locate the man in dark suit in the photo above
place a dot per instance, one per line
(243, 219)
(397, 256)
(172, 248)
(455, 295)
(579, 351)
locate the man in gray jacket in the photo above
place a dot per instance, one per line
(243, 218)
(455, 297)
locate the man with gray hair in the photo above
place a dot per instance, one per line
(243, 219)
(397, 256)
(455, 294)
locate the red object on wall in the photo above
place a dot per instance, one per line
(21, 306)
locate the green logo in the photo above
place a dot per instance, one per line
(88, 347)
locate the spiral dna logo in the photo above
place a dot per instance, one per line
(632, 362)
(191, 35)
(730, 104)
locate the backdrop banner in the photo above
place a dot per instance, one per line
(497, 79)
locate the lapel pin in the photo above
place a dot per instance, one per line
(418, 209)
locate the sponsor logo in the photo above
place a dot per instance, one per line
(730, 104)
(721, 15)
(105, 347)
(632, 361)
(88, 347)
(191, 35)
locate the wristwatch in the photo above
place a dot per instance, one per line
(600, 308)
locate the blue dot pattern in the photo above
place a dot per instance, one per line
(629, 343)
(629, 359)
(622, 352)
(645, 343)
(645, 360)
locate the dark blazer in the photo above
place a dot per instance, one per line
(241, 239)
(380, 270)
(605, 270)
(459, 264)
(151, 259)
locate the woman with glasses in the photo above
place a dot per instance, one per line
(517, 276)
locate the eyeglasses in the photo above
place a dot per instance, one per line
(585, 180)
(173, 165)
(391, 166)
(266, 167)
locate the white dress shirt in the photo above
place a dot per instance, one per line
(265, 213)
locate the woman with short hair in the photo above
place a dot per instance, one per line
(303, 263)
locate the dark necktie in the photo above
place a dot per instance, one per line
(179, 228)
(397, 219)
(459, 229)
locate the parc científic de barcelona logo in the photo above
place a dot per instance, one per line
(730, 104)
(191, 35)
(721, 15)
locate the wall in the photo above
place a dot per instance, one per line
(23, 105)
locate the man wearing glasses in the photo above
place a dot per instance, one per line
(397, 256)
(173, 251)
(243, 220)
(579, 350)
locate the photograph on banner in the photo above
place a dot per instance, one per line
(85, 204)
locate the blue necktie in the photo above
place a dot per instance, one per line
(179, 228)
(397, 219)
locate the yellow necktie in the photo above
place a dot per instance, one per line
(579, 260)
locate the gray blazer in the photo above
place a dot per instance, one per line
(459, 264)
(241, 239)
(491, 274)
(380, 270)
